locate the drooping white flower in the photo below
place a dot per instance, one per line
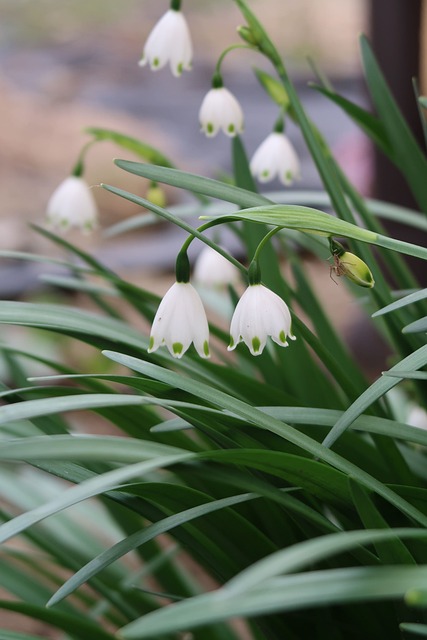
(72, 205)
(169, 41)
(213, 270)
(220, 110)
(276, 157)
(260, 313)
(179, 321)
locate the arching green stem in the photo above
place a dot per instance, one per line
(265, 239)
(226, 51)
(78, 168)
(208, 225)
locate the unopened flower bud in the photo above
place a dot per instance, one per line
(246, 34)
(351, 266)
(156, 195)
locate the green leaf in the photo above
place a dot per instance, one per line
(412, 362)
(419, 326)
(407, 154)
(262, 421)
(149, 153)
(194, 183)
(391, 551)
(312, 220)
(291, 593)
(370, 124)
(75, 626)
(416, 296)
(141, 537)
(414, 629)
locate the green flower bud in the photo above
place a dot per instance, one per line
(156, 195)
(246, 34)
(352, 267)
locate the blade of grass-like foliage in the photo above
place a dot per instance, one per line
(34, 257)
(370, 124)
(291, 593)
(369, 424)
(410, 375)
(5, 634)
(137, 147)
(66, 447)
(408, 155)
(309, 552)
(31, 409)
(414, 628)
(419, 326)
(389, 551)
(163, 213)
(139, 538)
(77, 285)
(68, 319)
(77, 626)
(307, 219)
(263, 421)
(88, 489)
(374, 392)
(416, 296)
(194, 183)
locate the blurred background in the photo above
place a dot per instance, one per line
(72, 64)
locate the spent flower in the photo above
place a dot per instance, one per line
(260, 313)
(179, 321)
(169, 41)
(72, 205)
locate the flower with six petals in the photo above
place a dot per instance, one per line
(260, 313)
(179, 321)
(72, 205)
(276, 157)
(220, 110)
(169, 41)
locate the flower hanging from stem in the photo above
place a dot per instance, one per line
(169, 41)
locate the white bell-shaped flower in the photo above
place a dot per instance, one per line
(179, 321)
(211, 269)
(276, 158)
(260, 313)
(220, 110)
(72, 205)
(169, 41)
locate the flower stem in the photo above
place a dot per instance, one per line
(263, 242)
(208, 225)
(176, 5)
(78, 168)
(226, 51)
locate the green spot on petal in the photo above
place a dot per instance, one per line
(265, 173)
(156, 62)
(282, 336)
(210, 127)
(177, 348)
(231, 345)
(180, 68)
(289, 176)
(151, 344)
(231, 128)
(206, 348)
(256, 344)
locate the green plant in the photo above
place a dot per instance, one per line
(288, 479)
